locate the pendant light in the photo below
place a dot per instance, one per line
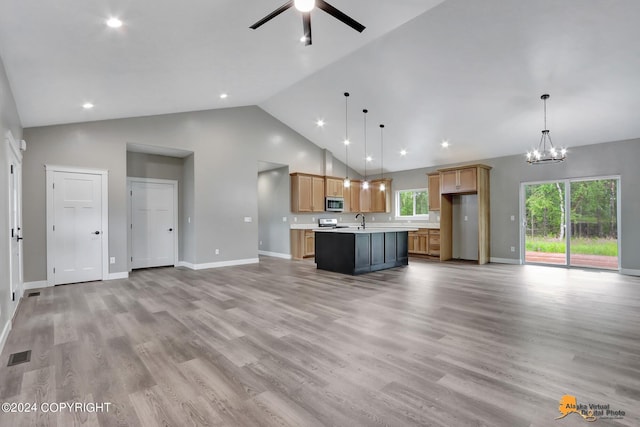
(546, 152)
(382, 186)
(347, 182)
(365, 183)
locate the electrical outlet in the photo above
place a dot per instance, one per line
(112, 260)
(284, 219)
(466, 218)
(513, 248)
(217, 251)
(313, 219)
(373, 218)
(389, 218)
(295, 219)
(260, 242)
(189, 219)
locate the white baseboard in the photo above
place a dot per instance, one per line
(275, 254)
(35, 285)
(505, 260)
(630, 272)
(218, 264)
(119, 275)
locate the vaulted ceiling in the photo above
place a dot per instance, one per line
(466, 71)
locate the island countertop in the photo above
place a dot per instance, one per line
(356, 230)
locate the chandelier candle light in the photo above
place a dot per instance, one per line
(382, 186)
(546, 152)
(347, 182)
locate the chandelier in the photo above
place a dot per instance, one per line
(546, 152)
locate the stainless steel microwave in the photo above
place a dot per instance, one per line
(334, 204)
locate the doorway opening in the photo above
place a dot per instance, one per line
(572, 222)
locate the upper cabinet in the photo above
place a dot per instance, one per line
(434, 192)
(307, 193)
(352, 197)
(380, 199)
(462, 180)
(334, 187)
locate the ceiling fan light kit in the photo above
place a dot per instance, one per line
(305, 7)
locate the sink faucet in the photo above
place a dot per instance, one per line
(362, 224)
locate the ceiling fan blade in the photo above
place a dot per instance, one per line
(272, 15)
(306, 25)
(321, 4)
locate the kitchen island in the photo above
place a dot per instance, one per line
(357, 251)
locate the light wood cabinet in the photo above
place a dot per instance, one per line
(380, 200)
(434, 191)
(303, 244)
(459, 181)
(365, 199)
(425, 241)
(307, 193)
(334, 187)
(352, 197)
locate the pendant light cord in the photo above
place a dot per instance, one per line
(365, 111)
(346, 134)
(381, 155)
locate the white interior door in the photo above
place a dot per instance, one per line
(15, 219)
(153, 224)
(77, 227)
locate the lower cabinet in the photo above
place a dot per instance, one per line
(425, 241)
(303, 244)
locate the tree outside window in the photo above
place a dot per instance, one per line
(412, 203)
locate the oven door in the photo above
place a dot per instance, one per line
(334, 204)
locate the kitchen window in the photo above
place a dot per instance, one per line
(412, 203)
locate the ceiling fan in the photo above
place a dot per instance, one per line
(306, 6)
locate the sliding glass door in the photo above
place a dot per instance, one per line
(594, 224)
(545, 223)
(571, 222)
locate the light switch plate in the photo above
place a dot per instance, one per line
(248, 219)
(112, 260)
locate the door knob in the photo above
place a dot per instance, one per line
(96, 232)
(18, 238)
(171, 229)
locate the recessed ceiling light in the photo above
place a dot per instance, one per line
(346, 142)
(403, 152)
(303, 39)
(114, 22)
(445, 144)
(369, 158)
(87, 105)
(223, 96)
(320, 123)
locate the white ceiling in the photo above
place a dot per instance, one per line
(468, 71)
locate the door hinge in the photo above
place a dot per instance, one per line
(13, 296)
(54, 185)
(54, 270)
(54, 228)
(131, 259)
(131, 226)
(12, 233)
(11, 169)
(131, 192)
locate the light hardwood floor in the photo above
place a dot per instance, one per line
(282, 344)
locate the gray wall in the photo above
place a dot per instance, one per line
(9, 121)
(273, 205)
(227, 145)
(142, 165)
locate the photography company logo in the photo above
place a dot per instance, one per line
(589, 411)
